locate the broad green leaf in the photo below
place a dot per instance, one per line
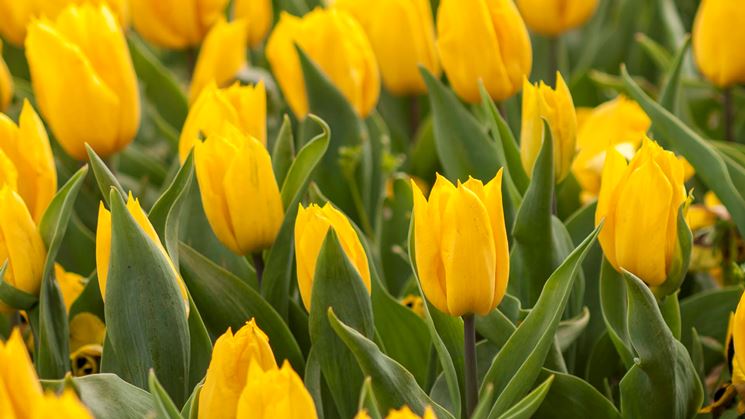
(525, 408)
(313, 381)
(368, 401)
(284, 150)
(200, 352)
(12, 296)
(395, 267)
(164, 407)
(708, 312)
(89, 300)
(613, 306)
(571, 396)
(671, 89)
(569, 330)
(104, 178)
(109, 397)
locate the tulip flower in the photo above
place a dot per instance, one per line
(66, 406)
(336, 42)
(83, 79)
(483, 40)
(311, 227)
(239, 191)
(27, 147)
(175, 24)
(226, 375)
(241, 106)
(639, 202)
(275, 393)
(620, 124)
(20, 243)
(718, 30)
(6, 83)
(555, 106)
(20, 391)
(222, 55)
(402, 413)
(399, 56)
(70, 283)
(259, 15)
(8, 172)
(554, 17)
(87, 333)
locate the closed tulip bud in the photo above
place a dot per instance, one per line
(311, 227)
(554, 17)
(20, 391)
(399, 57)
(239, 191)
(6, 83)
(222, 55)
(462, 256)
(27, 146)
(336, 42)
(258, 14)
(718, 32)
(244, 107)
(557, 108)
(483, 40)
(639, 202)
(20, 243)
(66, 406)
(83, 79)
(275, 393)
(226, 375)
(175, 24)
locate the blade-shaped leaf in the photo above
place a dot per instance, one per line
(571, 396)
(164, 407)
(284, 150)
(109, 397)
(104, 178)
(525, 408)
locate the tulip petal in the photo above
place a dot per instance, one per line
(26, 252)
(494, 207)
(429, 264)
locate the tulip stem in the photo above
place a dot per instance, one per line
(469, 344)
(258, 266)
(729, 114)
(553, 59)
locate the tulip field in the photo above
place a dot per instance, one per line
(372, 209)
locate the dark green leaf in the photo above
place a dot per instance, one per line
(12, 296)
(104, 178)
(284, 150)
(525, 408)
(164, 407)
(109, 397)
(571, 396)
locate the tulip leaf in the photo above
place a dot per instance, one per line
(663, 381)
(89, 300)
(525, 408)
(671, 88)
(12, 296)
(338, 285)
(146, 321)
(710, 167)
(708, 312)
(395, 268)
(313, 381)
(392, 385)
(571, 329)
(368, 401)
(104, 178)
(519, 361)
(164, 407)
(200, 346)
(191, 407)
(462, 144)
(109, 397)
(571, 396)
(224, 300)
(613, 306)
(283, 151)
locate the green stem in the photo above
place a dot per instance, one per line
(258, 266)
(469, 345)
(728, 108)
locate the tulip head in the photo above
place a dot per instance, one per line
(226, 376)
(275, 393)
(175, 24)
(259, 15)
(336, 42)
(239, 191)
(6, 83)
(83, 80)
(483, 40)
(462, 256)
(65, 406)
(554, 17)
(640, 203)
(241, 106)
(718, 34)
(20, 243)
(20, 390)
(311, 226)
(557, 108)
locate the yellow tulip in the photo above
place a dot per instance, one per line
(175, 24)
(275, 393)
(555, 106)
(222, 55)
(399, 56)
(554, 17)
(336, 42)
(311, 226)
(66, 406)
(8, 172)
(103, 244)
(406, 413)
(20, 243)
(87, 333)
(639, 202)
(483, 40)
(239, 191)
(462, 256)
(241, 106)
(83, 79)
(70, 283)
(20, 391)
(226, 375)
(258, 14)
(718, 36)
(27, 147)
(6, 83)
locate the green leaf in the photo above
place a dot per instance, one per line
(525, 408)
(12, 296)
(671, 88)
(191, 407)
(395, 268)
(104, 178)
(571, 329)
(109, 397)
(313, 381)
(89, 300)
(200, 352)
(571, 396)
(164, 407)
(708, 312)
(284, 150)
(659, 55)
(613, 306)
(368, 401)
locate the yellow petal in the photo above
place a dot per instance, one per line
(494, 207)
(222, 55)
(20, 243)
(552, 17)
(18, 376)
(6, 82)
(531, 131)
(613, 173)
(276, 393)
(70, 283)
(259, 15)
(66, 406)
(175, 24)
(103, 247)
(718, 33)
(86, 329)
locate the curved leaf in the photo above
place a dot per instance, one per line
(109, 397)
(525, 408)
(571, 396)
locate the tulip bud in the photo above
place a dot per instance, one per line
(274, 393)
(20, 243)
(555, 106)
(175, 24)
(399, 56)
(258, 14)
(20, 391)
(222, 55)
(83, 79)
(226, 375)
(462, 256)
(27, 147)
(717, 33)
(244, 107)
(483, 40)
(554, 17)
(620, 124)
(239, 191)
(338, 45)
(640, 202)
(6, 83)
(311, 227)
